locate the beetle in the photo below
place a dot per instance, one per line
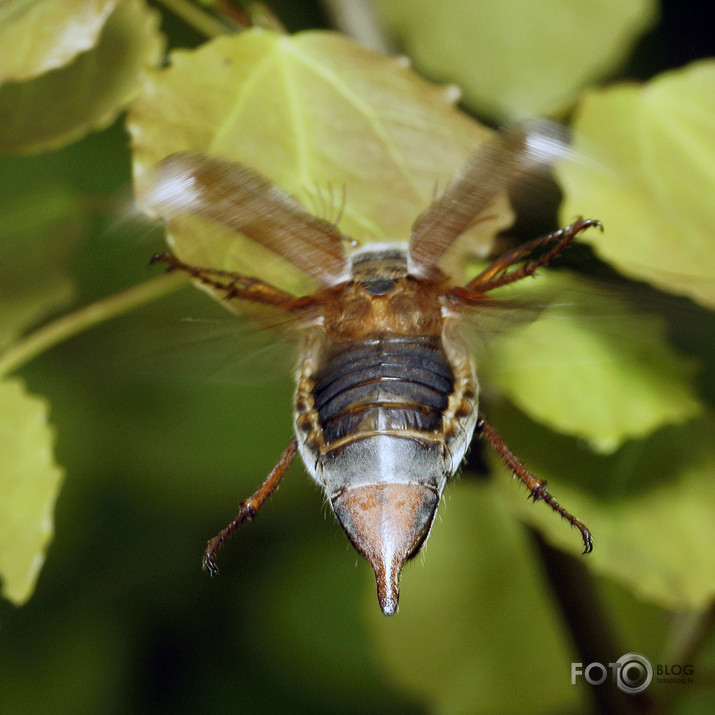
(387, 397)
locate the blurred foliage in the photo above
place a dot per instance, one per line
(157, 451)
(42, 36)
(526, 60)
(604, 362)
(31, 482)
(660, 137)
(40, 229)
(88, 86)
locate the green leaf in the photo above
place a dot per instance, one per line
(518, 58)
(598, 370)
(649, 505)
(62, 105)
(38, 233)
(473, 611)
(42, 35)
(28, 489)
(655, 178)
(317, 114)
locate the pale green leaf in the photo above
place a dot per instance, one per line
(317, 114)
(650, 506)
(38, 233)
(654, 183)
(473, 612)
(62, 105)
(518, 58)
(591, 366)
(29, 486)
(37, 36)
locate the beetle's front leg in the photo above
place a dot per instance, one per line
(497, 274)
(234, 286)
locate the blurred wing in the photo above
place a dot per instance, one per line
(511, 158)
(189, 184)
(185, 337)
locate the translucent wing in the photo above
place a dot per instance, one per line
(185, 337)
(227, 195)
(512, 158)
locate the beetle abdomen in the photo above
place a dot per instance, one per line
(382, 385)
(382, 423)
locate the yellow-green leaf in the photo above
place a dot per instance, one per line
(317, 114)
(654, 183)
(62, 105)
(38, 232)
(29, 483)
(37, 36)
(649, 506)
(518, 58)
(596, 369)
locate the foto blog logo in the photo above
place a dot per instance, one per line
(632, 673)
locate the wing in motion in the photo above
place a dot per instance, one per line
(234, 196)
(505, 163)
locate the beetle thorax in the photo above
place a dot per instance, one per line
(382, 299)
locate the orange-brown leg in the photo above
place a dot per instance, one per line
(498, 274)
(537, 487)
(234, 285)
(247, 509)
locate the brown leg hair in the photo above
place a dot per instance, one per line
(248, 509)
(537, 487)
(498, 274)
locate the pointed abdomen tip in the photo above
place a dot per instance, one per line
(388, 605)
(387, 524)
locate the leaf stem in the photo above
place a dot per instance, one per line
(69, 325)
(195, 17)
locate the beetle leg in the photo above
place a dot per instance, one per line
(248, 509)
(233, 285)
(537, 487)
(498, 274)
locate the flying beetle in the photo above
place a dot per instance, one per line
(386, 399)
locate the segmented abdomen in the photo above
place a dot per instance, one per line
(384, 385)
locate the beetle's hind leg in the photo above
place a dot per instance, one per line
(538, 489)
(248, 509)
